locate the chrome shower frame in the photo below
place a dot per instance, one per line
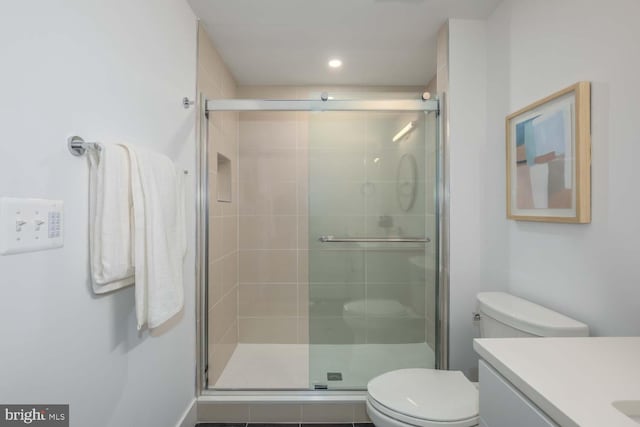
(202, 231)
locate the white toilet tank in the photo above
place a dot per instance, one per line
(506, 316)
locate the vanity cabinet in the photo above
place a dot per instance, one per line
(502, 405)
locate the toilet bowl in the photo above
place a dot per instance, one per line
(436, 398)
(422, 397)
(382, 315)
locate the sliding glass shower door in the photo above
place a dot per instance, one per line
(372, 250)
(319, 268)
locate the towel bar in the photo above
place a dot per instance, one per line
(78, 147)
(332, 239)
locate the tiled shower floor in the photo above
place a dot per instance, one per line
(287, 366)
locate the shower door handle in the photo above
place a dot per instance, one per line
(332, 239)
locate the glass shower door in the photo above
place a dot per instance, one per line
(372, 258)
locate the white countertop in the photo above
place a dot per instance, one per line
(573, 380)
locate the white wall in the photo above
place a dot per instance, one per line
(475, 239)
(536, 48)
(108, 71)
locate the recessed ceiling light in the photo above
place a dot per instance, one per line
(335, 63)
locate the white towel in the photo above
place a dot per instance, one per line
(110, 225)
(159, 236)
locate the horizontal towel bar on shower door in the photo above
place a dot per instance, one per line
(332, 239)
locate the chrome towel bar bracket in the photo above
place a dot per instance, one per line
(78, 147)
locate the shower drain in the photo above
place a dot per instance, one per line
(334, 376)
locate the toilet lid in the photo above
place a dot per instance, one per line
(427, 394)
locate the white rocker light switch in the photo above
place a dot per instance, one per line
(28, 225)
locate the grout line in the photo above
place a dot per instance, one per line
(270, 249)
(221, 258)
(274, 317)
(266, 215)
(223, 335)
(297, 150)
(224, 296)
(266, 249)
(266, 283)
(237, 215)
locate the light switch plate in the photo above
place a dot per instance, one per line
(28, 225)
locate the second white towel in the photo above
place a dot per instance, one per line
(159, 236)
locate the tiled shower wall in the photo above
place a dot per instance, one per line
(215, 81)
(273, 290)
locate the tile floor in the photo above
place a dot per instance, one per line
(283, 425)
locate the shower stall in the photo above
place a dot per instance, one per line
(319, 243)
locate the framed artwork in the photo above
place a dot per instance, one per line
(549, 158)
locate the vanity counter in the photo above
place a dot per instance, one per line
(573, 380)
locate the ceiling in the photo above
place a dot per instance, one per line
(289, 42)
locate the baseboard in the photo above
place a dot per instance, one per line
(190, 416)
(328, 410)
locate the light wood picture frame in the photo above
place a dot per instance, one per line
(549, 158)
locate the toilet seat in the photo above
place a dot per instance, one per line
(423, 397)
(383, 419)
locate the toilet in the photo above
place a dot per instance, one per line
(383, 315)
(437, 398)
